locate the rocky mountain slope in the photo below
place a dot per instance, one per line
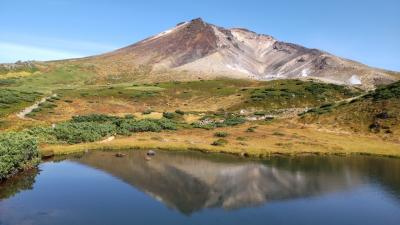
(202, 50)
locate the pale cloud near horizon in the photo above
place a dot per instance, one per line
(12, 52)
(16, 47)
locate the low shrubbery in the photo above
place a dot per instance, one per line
(147, 111)
(168, 115)
(131, 125)
(220, 142)
(94, 118)
(17, 151)
(94, 127)
(9, 99)
(210, 122)
(180, 112)
(221, 134)
(251, 129)
(386, 92)
(74, 133)
(294, 93)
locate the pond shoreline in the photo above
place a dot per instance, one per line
(62, 150)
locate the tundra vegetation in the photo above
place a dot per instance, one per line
(18, 151)
(256, 117)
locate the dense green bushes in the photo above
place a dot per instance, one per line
(74, 133)
(168, 115)
(295, 93)
(17, 150)
(147, 125)
(220, 142)
(94, 127)
(8, 96)
(386, 92)
(10, 99)
(210, 123)
(220, 134)
(94, 118)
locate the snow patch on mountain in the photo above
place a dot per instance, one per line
(167, 31)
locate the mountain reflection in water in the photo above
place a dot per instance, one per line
(190, 182)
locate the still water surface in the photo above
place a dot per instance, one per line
(194, 188)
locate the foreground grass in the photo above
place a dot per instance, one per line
(262, 141)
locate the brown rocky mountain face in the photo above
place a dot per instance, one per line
(196, 49)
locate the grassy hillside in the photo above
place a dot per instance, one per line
(194, 96)
(13, 100)
(376, 112)
(222, 115)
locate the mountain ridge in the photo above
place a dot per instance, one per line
(196, 49)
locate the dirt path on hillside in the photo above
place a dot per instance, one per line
(27, 110)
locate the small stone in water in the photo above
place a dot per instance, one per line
(119, 154)
(151, 153)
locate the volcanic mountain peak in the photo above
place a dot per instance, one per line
(200, 48)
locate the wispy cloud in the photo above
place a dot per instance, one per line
(11, 52)
(14, 47)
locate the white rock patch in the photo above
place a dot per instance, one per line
(304, 73)
(355, 80)
(238, 68)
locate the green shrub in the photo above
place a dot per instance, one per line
(10, 98)
(327, 105)
(147, 111)
(220, 142)
(231, 120)
(139, 126)
(74, 133)
(43, 134)
(234, 120)
(5, 82)
(242, 138)
(168, 115)
(129, 116)
(94, 127)
(17, 150)
(167, 124)
(251, 129)
(47, 105)
(259, 113)
(221, 134)
(180, 112)
(277, 133)
(94, 118)
(208, 126)
(387, 92)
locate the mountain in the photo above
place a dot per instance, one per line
(197, 49)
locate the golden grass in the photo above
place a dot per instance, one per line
(17, 74)
(152, 115)
(270, 139)
(191, 118)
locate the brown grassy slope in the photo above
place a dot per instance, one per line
(195, 96)
(377, 112)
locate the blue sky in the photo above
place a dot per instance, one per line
(367, 31)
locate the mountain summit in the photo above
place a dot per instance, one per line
(199, 49)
